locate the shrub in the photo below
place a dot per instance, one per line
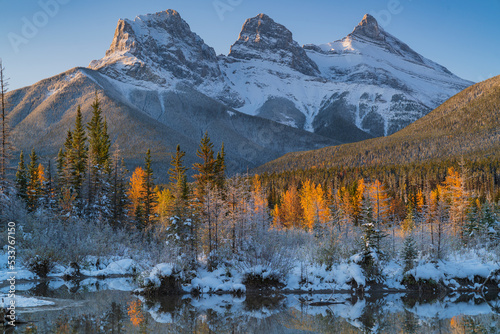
(164, 279)
(259, 278)
(40, 264)
(266, 256)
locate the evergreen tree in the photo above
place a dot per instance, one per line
(99, 173)
(60, 167)
(177, 173)
(409, 252)
(22, 178)
(372, 235)
(204, 183)
(34, 184)
(65, 162)
(206, 168)
(79, 155)
(220, 168)
(371, 238)
(119, 192)
(48, 189)
(148, 194)
(473, 222)
(182, 229)
(488, 220)
(6, 146)
(98, 137)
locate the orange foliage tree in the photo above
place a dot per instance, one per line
(289, 213)
(314, 205)
(135, 190)
(458, 199)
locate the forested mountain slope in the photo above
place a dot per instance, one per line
(467, 124)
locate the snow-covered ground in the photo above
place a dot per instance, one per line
(341, 276)
(307, 277)
(22, 301)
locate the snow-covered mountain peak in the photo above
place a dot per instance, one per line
(369, 83)
(263, 38)
(156, 48)
(368, 27)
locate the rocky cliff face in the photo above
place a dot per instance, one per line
(262, 38)
(156, 48)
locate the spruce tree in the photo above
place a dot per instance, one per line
(60, 166)
(220, 168)
(79, 154)
(65, 162)
(6, 146)
(205, 169)
(371, 242)
(99, 173)
(205, 182)
(119, 191)
(409, 252)
(177, 173)
(180, 230)
(22, 178)
(34, 185)
(49, 190)
(148, 194)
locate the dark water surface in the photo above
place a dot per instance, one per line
(108, 306)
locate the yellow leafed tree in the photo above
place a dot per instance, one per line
(458, 198)
(41, 175)
(314, 205)
(289, 213)
(377, 194)
(136, 188)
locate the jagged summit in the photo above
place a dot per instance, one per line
(368, 27)
(368, 34)
(263, 38)
(154, 46)
(127, 32)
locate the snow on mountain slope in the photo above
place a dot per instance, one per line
(370, 56)
(159, 52)
(367, 84)
(369, 79)
(262, 38)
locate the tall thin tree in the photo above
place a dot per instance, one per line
(34, 185)
(205, 169)
(177, 173)
(22, 178)
(148, 194)
(79, 154)
(6, 147)
(98, 163)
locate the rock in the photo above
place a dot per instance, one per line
(262, 38)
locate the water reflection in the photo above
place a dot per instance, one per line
(97, 307)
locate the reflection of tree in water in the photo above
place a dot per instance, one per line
(372, 318)
(114, 319)
(410, 322)
(123, 313)
(111, 321)
(223, 314)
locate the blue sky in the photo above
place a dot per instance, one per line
(461, 35)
